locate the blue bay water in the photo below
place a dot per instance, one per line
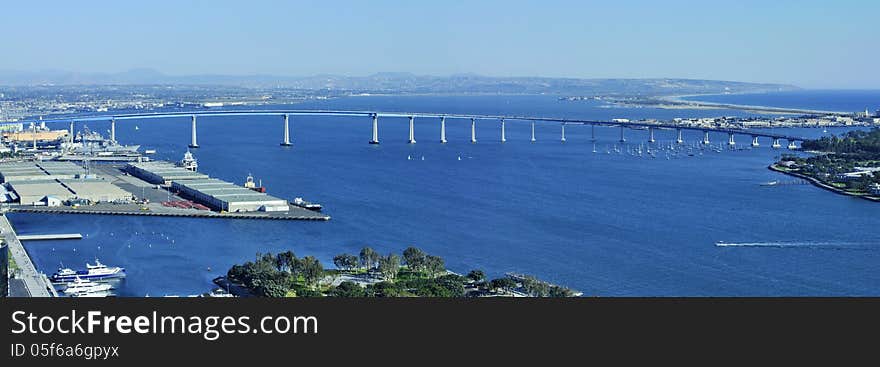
(605, 224)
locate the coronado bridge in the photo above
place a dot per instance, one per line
(441, 118)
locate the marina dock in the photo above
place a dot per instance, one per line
(46, 237)
(28, 282)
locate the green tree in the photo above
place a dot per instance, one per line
(453, 284)
(389, 266)
(306, 292)
(348, 289)
(271, 288)
(503, 283)
(368, 258)
(434, 265)
(557, 291)
(345, 261)
(311, 270)
(387, 289)
(476, 275)
(285, 261)
(414, 258)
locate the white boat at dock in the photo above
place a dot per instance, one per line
(97, 271)
(82, 287)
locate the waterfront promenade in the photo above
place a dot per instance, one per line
(35, 283)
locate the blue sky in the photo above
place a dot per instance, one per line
(814, 44)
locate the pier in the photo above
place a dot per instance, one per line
(156, 210)
(48, 237)
(28, 282)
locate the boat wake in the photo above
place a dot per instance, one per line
(826, 245)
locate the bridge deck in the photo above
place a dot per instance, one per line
(354, 113)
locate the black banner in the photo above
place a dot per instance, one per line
(420, 330)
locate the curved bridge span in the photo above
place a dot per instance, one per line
(441, 117)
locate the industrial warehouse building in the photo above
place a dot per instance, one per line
(48, 170)
(163, 173)
(49, 192)
(47, 182)
(225, 196)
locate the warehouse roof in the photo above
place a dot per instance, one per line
(228, 192)
(19, 171)
(40, 188)
(167, 171)
(95, 188)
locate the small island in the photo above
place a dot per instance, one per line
(847, 164)
(369, 274)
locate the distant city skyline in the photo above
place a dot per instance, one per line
(811, 44)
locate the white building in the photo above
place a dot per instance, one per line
(51, 200)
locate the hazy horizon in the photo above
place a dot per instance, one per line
(809, 44)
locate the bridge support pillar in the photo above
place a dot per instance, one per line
(730, 140)
(755, 142)
(776, 144)
(792, 145)
(70, 137)
(593, 132)
(622, 137)
(194, 143)
(533, 132)
(706, 137)
(651, 134)
(113, 129)
(443, 129)
(412, 130)
(286, 140)
(562, 139)
(375, 138)
(503, 136)
(679, 140)
(473, 130)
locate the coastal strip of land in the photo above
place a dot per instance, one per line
(816, 182)
(677, 102)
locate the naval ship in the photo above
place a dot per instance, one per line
(93, 143)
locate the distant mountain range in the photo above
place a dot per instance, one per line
(400, 83)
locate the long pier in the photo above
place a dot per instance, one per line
(35, 284)
(48, 237)
(441, 118)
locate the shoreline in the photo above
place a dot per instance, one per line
(816, 182)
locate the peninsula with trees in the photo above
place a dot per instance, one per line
(413, 273)
(848, 164)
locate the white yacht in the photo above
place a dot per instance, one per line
(97, 271)
(84, 286)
